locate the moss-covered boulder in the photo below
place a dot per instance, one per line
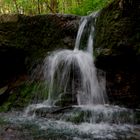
(24, 43)
(117, 50)
(25, 40)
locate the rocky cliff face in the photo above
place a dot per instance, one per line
(24, 43)
(25, 40)
(117, 50)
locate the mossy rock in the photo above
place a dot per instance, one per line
(117, 50)
(24, 43)
(118, 30)
(37, 32)
(21, 96)
(26, 40)
(66, 99)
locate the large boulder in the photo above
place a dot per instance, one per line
(24, 43)
(26, 40)
(117, 50)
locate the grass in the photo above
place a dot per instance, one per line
(24, 95)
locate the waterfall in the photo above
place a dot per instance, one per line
(72, 73)
(71, 77)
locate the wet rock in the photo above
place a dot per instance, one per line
(66, 99)
(24, 43)
(117, 44)
(26, 40)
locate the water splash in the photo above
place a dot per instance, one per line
(108, 123)
(73, 73)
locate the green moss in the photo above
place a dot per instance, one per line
(2, 121)
(5, 107)
(117, 29)
(25, 94)
(77, 118)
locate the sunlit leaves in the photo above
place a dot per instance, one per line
(88, 6)
(31, 7)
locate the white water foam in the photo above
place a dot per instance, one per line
(74, 71)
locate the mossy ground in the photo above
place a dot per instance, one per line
(23, 95)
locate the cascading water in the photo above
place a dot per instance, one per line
(73, 71)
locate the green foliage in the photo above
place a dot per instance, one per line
(88, 6)
(79, 7)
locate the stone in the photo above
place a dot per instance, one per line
(117, 50)
(24, 43)
(26, 40)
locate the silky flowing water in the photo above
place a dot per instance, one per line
(73, 71)
(89, 115)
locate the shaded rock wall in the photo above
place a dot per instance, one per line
(25, 40)
(117, 50)
(24, 43)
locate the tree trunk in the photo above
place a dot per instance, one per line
(38, 6)
(54, 5)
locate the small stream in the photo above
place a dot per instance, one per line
(71, 123)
